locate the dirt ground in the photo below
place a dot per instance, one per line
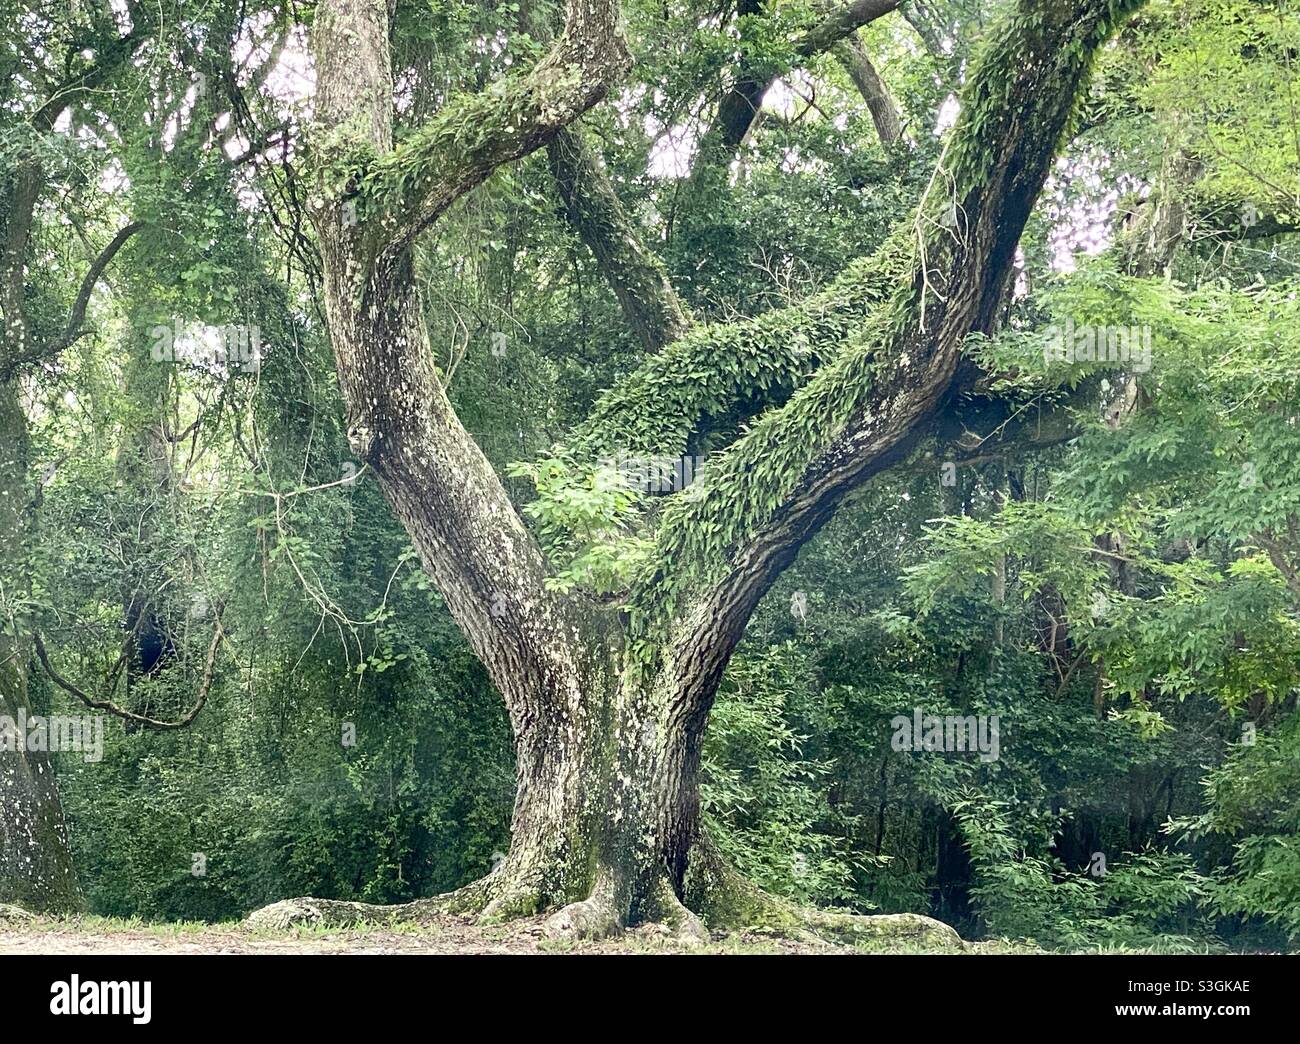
(448, 935)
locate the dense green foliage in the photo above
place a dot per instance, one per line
(1126, 602)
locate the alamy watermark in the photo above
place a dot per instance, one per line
(652, 474)
(1129, 345)
(234, 346)
(53, 733)
(952, 734)
(73, 996)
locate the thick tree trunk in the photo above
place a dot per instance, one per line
(35, 860)
(605, 817)
(608, 710)
(606, 767)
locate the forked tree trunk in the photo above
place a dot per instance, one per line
(608, 717)
(607, 763)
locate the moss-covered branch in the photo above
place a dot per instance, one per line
(743, 523)
(403, 189)
(715, 368)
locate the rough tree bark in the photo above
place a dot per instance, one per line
(35, 860)
(609, 707)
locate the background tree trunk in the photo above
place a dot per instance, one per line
(35, 860)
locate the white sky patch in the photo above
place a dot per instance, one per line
(113, 179)
(494, 45)
(782, 100)
(625, 105)
(178, 119)
(121, 15)
(215, 350)
(794, 162)
(1021, 288)
(293, 80)
(289, 84)
(1080, 200)
(789, 96)
(404, 92)
(673, 150)
(947, 115)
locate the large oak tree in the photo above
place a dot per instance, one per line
(609, 695)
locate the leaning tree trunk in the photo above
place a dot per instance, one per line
(606, 764)
(35, 861)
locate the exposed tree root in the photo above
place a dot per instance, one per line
(602, 914)
(509, 902)
(727, 900)
(339, 913)
(665, 908)
(716, 896)
(10, 914)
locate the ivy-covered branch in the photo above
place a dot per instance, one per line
(404, 189)
(745, 522)
(716, 368)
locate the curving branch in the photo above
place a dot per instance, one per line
(470, 537)
(72, 329)
(841, 23)
(109, 707)
(784, 480)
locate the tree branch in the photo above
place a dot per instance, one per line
(841, 23)
(862, 413)
(72, 330)
(408, 187)
(717, 369)
(458, 514)
(740, 105)
(1278, 556)
(884, 114)
(105, 63)
(112, 708)
(637, 277)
